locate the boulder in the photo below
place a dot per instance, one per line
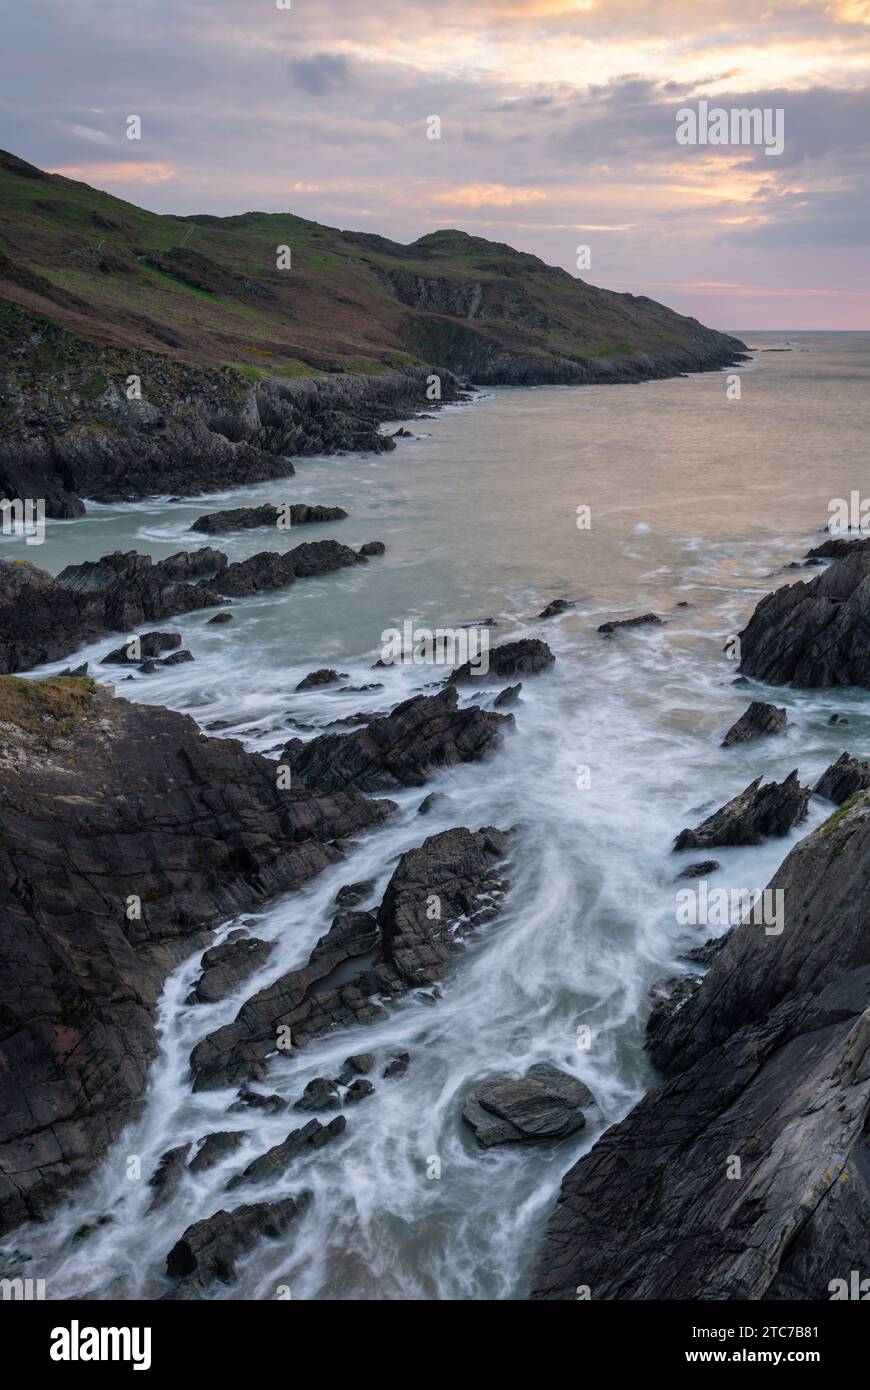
(224, 967)
(273, 1164)
(325, 676)
(757, 721)
(644, 620)
(843, 779)
(149, 644)
(555, 607)
(526, 657)
(215, 1147)
(207, 1252)
(545, 1103)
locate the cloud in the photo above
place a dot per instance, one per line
(320, 74)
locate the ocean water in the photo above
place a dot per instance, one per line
(695, 500)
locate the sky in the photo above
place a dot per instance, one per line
(558, 123)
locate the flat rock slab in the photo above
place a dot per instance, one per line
(544, 1104)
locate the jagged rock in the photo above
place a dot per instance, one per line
(757, 812)
(167, 1175)
(758, 720)
(699, 869)
(373, 548)
(836, 547)
(325, 676)
(352, 893)
(398, 950)
(644, 620)
(767, 1063)
(843, 779)
(706, 954)
(319, 1094)
(814, 634)
(145, 807)
(215, 1148)
(226, 966)
(149, 644)
(555, 607)
(526, 657)
(358, 1090)
(544, 1104)
(271, 570)
(398, 1066)
(400, 749)
(76, 671)
(668, 998)
(509, 696)
(274, 1162)
(208, 1250)
(360, 1064)
(249, 518)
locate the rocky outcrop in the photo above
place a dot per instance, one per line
(528, 656)
(747, 819)
(226, 966)
(644, 620)
(275, 1161)
(438, 893)
(757, 721)
(838, 546)
(208, 1251)
(250, 518)
(544, 1104)
(400, 749)
(272, 569)
(843, 779)
(816, 634)
(745, 1174)
(125, 835)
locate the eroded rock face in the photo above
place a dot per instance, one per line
(401, 947)
(814, 634)
(208, 1251)
(191, 829)
(747, 819)
(759, 720)
(400, 749)
(544, 1104)
(526, 657)
(767, 1062)
(275, 1162)
(843, 779)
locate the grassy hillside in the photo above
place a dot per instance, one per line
(207, 290)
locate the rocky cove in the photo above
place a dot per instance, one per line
(465, 1026)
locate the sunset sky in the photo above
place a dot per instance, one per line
(558, 129)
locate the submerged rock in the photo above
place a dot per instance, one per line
(274, 1162)
(699, 869)
(249, 518)
(324, 676)
(747, 819)
(644, 620)
(758, 720)
(526, 657)
(215, 1148)
(168, 1174)
(555, 607)
(148, 645)
(207, 1252)
(544, 1104)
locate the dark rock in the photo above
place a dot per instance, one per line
(249, 518)
(352, 893)
(226, 966)
(748, 818)
(207, 1252)
(215, 1148)
(373, 548)
(544, 1104)
(400, 749)
(509, 696)
(360, 1064)
(526, 657)
(645, 620)
(758, 720)
(816, 634)
(403, 948)
(150, 812)
(555, 607)
(167, 1175)
(149, 644)
(224, 617)
(176, 659)
(325, 676)
(358, 1090)
(272, 570)
(706, 954)
(838, 719)
(843, 779)
(274, 1163)
(319, 1094)
(668, 997)
(254, 1100)
(76, 671)
(437, 802)
(836, 547)
(700, 869)
(398, 1066)
(767, 1063)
